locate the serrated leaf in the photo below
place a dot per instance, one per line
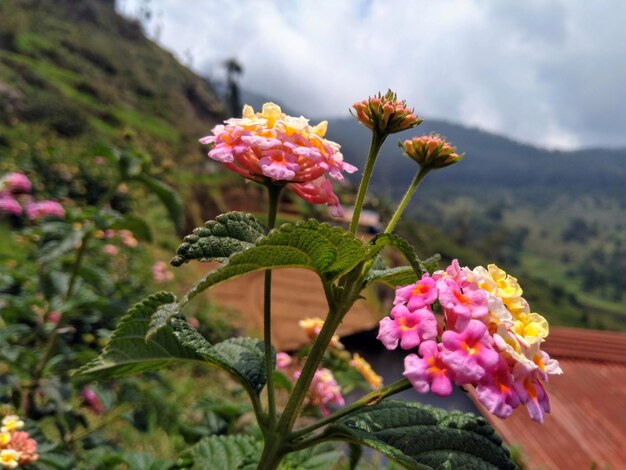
(228, 452)
(432, 263)
(129, 352)
(139, 227)
(229, 233)
(321, 457)
(393, 277)
(383, 240)
(422, 437)
(242, 357)
(168, 197)
(161, 317)
(328, 251)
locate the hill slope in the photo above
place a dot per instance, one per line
(76, 72)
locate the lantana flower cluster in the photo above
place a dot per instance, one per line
(16, 446)
(271, 145)
(491, 339)
(15, 199)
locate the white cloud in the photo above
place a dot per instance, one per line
(549, 72)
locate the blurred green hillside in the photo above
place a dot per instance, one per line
(74, 73)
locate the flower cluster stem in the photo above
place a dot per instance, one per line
(405, 200)
(377, 142)
(274, 192)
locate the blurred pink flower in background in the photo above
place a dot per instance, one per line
(15, 183)
(9, 205)
(110, 250)
(38, 210)
(161, 272)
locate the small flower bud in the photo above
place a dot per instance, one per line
(431, 151)
(385, 114)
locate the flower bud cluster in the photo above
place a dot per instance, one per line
(385, 114)
(16, 446)
(284, 149)
(16, 200)
(430, 151)
(491, 339)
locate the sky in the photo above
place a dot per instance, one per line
(547, 72)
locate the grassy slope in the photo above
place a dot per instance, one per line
(74, 72)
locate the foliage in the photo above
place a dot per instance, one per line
(72, 275)
(155, 334)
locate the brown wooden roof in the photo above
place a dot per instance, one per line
(587, 422)
(296, 294)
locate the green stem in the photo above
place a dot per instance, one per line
(377, 142)
(276, 440)
(292, 409)
(405, 200)
(274, 197)
(371, 399)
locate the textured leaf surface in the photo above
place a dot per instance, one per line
(322, 457)
(422, 437)
(393, 277)
(384, 240)
(401, 275)
(129, 352)
(161, 318)
(218, 239)
(242, 357)
(329, 251)
(224, 452)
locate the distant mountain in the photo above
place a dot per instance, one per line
(491, 162)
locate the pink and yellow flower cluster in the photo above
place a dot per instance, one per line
(16, 446)
(283, 149)
(324, 391)
(16, 200)
(491, 339)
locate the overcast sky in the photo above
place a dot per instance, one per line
(549, 72)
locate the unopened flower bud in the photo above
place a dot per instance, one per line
(431, 151)
(385, 114)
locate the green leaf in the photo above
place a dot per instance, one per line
(135, 224)
(383, 240)
(321, 457)
(422, 437)
(229, 233)
(328, 251)
(242, 357)
(129, 352)
(282, 382)
(432, 263)
(227, 452)
(393, 277)
(67, 241)
(168, 197)
(161, 317)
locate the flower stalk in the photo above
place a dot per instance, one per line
(406, 198)
(376, 144)
(274, 192)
